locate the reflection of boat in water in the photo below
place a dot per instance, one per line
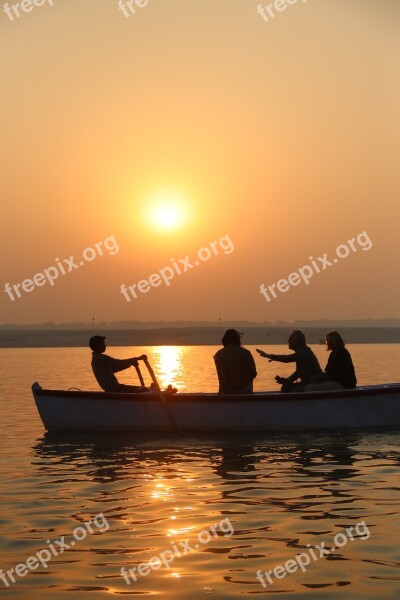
(368, 406)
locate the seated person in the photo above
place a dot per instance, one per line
(235, 365)
(104, 368)
(339, 371)
(307, 363)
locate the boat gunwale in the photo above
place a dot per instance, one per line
(380, 389)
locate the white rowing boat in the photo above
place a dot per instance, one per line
(368, 406)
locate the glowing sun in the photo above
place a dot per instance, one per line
(166, 217)
(165, 211)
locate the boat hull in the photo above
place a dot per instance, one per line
(371, 406)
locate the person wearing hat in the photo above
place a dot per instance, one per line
(104, 368)
(235, 365)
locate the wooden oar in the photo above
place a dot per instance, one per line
(161, 397)
(138, 371)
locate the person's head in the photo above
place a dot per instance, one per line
(334, 341)
(231, 337)
(296, 340)
(97, 344)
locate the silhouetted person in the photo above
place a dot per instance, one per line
(104, 368)
(339, 371)
(307, 363)
(235, 365)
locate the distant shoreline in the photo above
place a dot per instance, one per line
(186, 336)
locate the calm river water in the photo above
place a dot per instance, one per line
(267, 497)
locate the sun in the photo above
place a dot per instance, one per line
(166, 217)
(165, 211)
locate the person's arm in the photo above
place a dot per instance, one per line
(252, 366)
(293, 377)
(350, 371)
(122, 364)
(283, 358)
(221, 375)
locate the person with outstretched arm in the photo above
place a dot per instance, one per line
(307, 364)
(104, 368)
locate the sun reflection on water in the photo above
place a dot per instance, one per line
(169, 362)
(162, 492)
(180, 531)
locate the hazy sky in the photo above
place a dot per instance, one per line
(283, 135)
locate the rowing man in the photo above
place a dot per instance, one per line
(104, 368)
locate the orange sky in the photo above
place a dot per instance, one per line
(283, 135)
